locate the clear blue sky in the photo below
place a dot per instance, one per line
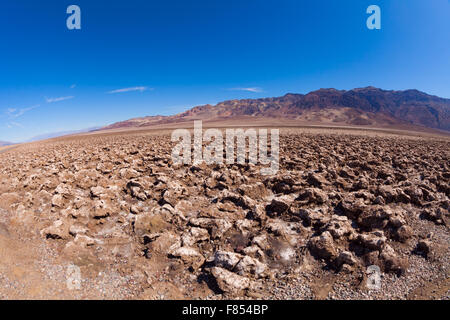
(185, 53)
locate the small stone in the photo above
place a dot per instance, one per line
(252, 266)
(59, 230)
(404, 233)
(346, 257)
(189, 256)
(424, 247)
(226, 259)
(374, 240)
(323, 246)
(230, 282)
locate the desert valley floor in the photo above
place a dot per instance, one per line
(113, 207)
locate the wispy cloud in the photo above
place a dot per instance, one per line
(252, 89)
(51, 100)
(73, 86)
(14, 113)
(14, 124)
(140, 89)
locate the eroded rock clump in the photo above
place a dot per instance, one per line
(339, 202)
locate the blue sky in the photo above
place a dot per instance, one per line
(175, 54)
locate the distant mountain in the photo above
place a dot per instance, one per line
(4, 143)
(358, 107)
(59, 134)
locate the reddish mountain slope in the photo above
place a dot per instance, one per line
(364, 106)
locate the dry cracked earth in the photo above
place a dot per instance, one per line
(115, 208)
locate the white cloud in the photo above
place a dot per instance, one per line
(14, 124)
(141, 89)
(73, 86)
(252, 89)
(14, 113)
(51, 100)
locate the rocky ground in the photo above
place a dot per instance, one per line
(114, 208)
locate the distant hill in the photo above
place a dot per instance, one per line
(4, 143)
(59, 134)
(358, 107)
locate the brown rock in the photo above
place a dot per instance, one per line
(230, 282)
(188, 255)
(373, 241)
(404, 233)
(323, 246)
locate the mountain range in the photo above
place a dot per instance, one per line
(367, 106)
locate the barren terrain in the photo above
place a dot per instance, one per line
(138, 227)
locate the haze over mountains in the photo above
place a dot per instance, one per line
(49, 136)
(59, 134)
(358, 107)
(4, 143)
